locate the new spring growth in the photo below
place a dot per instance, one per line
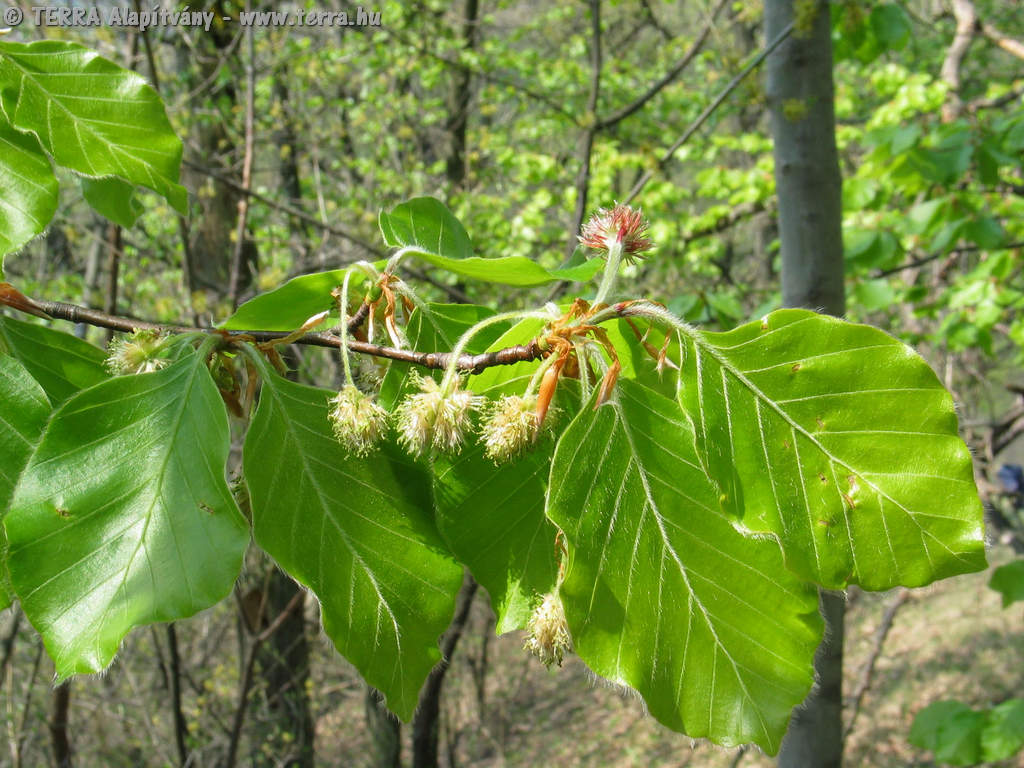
(435, 417)
(621, 226)
(358, 422)
(137, 353)
(548, 637)
(619, 233)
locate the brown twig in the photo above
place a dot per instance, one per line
(59, 725)
(73, 313)
(246, 683)
(586, 145)
(709, 110)
(656, 88)
(868, 670)
(243, 200)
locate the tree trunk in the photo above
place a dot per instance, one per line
(59, 725)
(385, 731)
(284, 717)
(459, 94)
(428, 713)
(800, 97)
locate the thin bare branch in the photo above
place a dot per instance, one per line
(300, 215)
(245, 684)
(1008, 44)
(243, 200)
(868, 670)
(491, 77)
(966, 27)
(710, 110)
(668, 77)
(586, 141)
(73, 313)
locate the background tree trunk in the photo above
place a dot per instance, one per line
(283, 663)
(800, 97)
(385, 731)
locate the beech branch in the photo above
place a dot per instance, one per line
(59, 310)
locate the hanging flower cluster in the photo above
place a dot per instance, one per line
(548, 632)
(433, 418)
(359, 423)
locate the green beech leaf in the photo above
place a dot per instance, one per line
(951, 729)
(1008, 580)
(28, 188)
(289, 306)
(113, 198)
(493, 520)
(91, 115)
(662, 593)
(493, 516)
(839, 440)
(426, 225)
(890, 24)
(62, 364)
(123, 516)
(1003, 734)
(358, 532)
(24, 410)
(22, 419)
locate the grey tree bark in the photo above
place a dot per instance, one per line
(800, 98)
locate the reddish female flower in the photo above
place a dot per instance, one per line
(621, 224)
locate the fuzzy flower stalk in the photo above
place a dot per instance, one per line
(617, 233)
(435, 417)
(548, 637)
(358, 422)
(511, 426)
(137, 353)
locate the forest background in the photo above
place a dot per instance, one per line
(524, 117)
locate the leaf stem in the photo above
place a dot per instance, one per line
(343, 328)
(611, 271)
